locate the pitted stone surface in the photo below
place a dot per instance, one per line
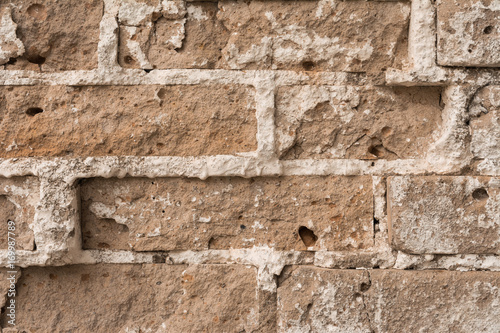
(138, 298)
(330, 213)
(122, 120)
(448, 214)
(353, 122)
(468, 33)
(485, 124)
(56, 35)
(18, 198)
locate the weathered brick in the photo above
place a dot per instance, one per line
(444, 214)
(126, 120)
(485, 124)
(138, 298)
(297, 35)
(355, 122)
(56, 35)
(18, 198)
(319, 300)
(223, 213)
(468, 33)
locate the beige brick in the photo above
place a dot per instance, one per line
(138, 298)
(444, 214)
(333, 213)
(127, 120)
(485, 124)
(354, 122)
(57, 35)
(321, 300)
(468, 33)
(297, 35)
(18, 198)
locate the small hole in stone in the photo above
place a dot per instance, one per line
(364, 287)
(35, 59)
(12, 61)
(33, 111)
(488, 30)
(469, 50)
(308, 237)
(308, 65)
(480, 194)
(242, 227)
(163, 211)
(162, 93)
(373, 164)
(128, 60)
(376, 225)
(376, 150)
(147, 70)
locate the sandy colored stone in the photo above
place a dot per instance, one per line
(126, 120)
(356, 122)
(444, 214)
(468, 33)
(18, 198)
(138, 298)
(296, 35)
(330, 213)
(434, 301)
(485, 123)
(57, 35)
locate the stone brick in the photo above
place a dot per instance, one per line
(18, 198)
(434, 301)
(354, 122)
(56, 35)
(468, 33)
(126, 120)
(331, 213)
(485, 124)
(319, 300)
(444, 214)
(138, 298)
(296, 35)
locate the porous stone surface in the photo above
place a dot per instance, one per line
(286, 213)
(468, 33)
(356, 122)
(18, 198)
(444, 214)
(54, 35)
(485, 124)
(297, 35)
(122, 120)
(138, 298)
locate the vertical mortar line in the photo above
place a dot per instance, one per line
(264, 113)
(107, 49)
(380, 202)
(422, 35)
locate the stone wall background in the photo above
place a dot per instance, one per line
(251, 166)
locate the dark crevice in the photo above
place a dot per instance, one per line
(307, 236)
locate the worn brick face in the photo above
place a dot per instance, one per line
(18, 198)
(134, 298)
(122, 120)
(453, 214)
(223, 213)
(485, 124)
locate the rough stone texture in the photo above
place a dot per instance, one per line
(319, 300)
(485, 124)
(311, 299)
(353, 122)
(18, 198)
(468, 33)
(138, 298)
(297, 35)
(222, 213)
(444, 214)
(55, 35)
(121, 120)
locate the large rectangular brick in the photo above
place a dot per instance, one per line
(356, 122)
(138, 298)
(320, 300)
(444, 214)
(330, 213)
(297, 35)
(55, 35)
(127, 120)
(468, 33)
(485, 123)
(18, 198)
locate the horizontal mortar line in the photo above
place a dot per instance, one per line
(443, 76)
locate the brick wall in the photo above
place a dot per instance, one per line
(250, 166)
